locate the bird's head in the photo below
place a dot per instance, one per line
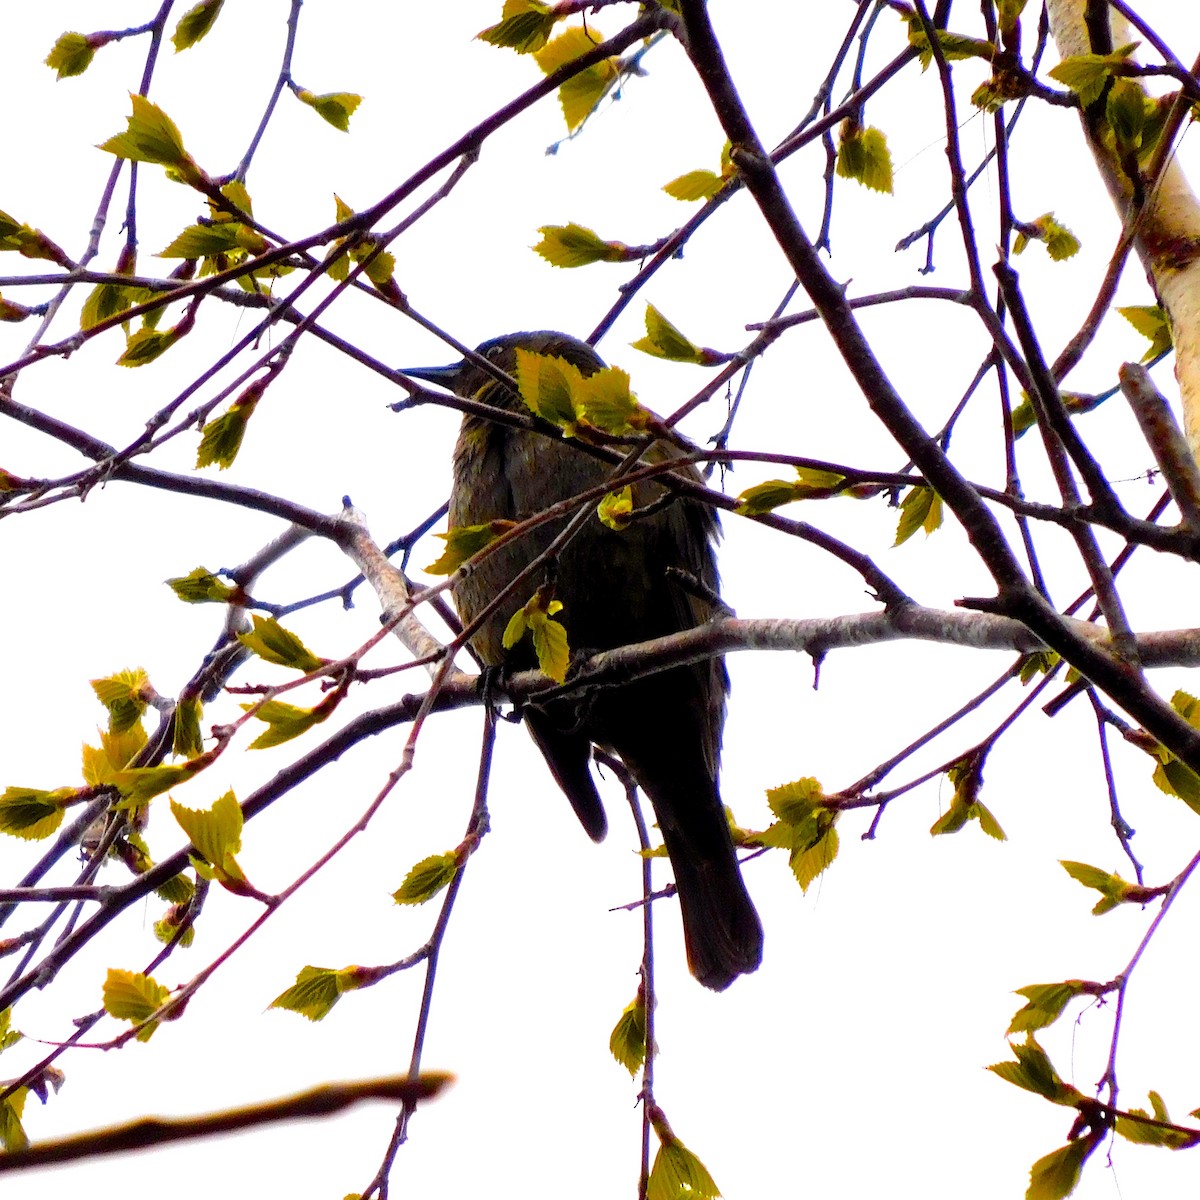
(469, 376)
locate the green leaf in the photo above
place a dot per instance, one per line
(30, 242)
(427, 878)
(1086, 74)
(547, 385)
(1112, 888)
(966, 773)
(1146, 1133)
(548, 636)
(525, 26)
(210, 240)
(581, 93)
(201, 586)
(664, 340)
(603, 401)
(102, 764)
(286, 721)
(576, 246)
(765, 497)
(1054, 1176)
(921, 508)
(140, 784)
(1059, 241)
(271, 642)
(1034, 1072)
(464, 542)
(796, 802)
(195, 23)
(954, 46)
(1046, 1002)
(694, 185)
(1153, 323)
(318, 989)
(863, 155)
(335, 107)
(1125, 111)
(72, 54)
(129, 996)
(221, 438)
(126, 696)
(145, 345)
(152, 137)
(628, 1039)
(12, 1132)
(678, 1174)
(216, 834)
(811, 484)
(614, 509)
(808, 863)
(31, 813)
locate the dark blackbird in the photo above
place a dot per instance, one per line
(615, 589)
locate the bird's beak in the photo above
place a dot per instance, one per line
(441, 376)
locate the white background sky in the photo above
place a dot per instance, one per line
(852, 1063)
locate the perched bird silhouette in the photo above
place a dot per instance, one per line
(616, 588)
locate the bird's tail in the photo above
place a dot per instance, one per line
(721, 929)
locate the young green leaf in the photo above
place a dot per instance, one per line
(152, 137)
(129, 996)
(1149, 1129)
(1034, 1072)
(214, 239)
(72, 54)
(581, 93)
(201, 586)
(628, 1039)
(863, 155)
(141, 784)
(954, 46)
(1086, 74)
(548, 636)
(464, 542)
(615, 508)
(812, 860)
(335, 107)
(694, 185)
(603, 401)
(1046, 1002)
(678, 1174)
(1153, 323)
(1060, 242)
(126, 696)
(524, 26)
(271, 642)
(576, 246)
(286, 721)
(31, 813)
(103, 763)
(318, 989)
(427, 878)
(12, 1132)
(1054, 1176)
(548, 385)
(30, 242)
(664, 340)
(195, 23)
(921, 508)
(216, 835)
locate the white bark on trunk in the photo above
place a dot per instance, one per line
(1168, 235)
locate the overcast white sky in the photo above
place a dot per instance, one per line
(852, 1063)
